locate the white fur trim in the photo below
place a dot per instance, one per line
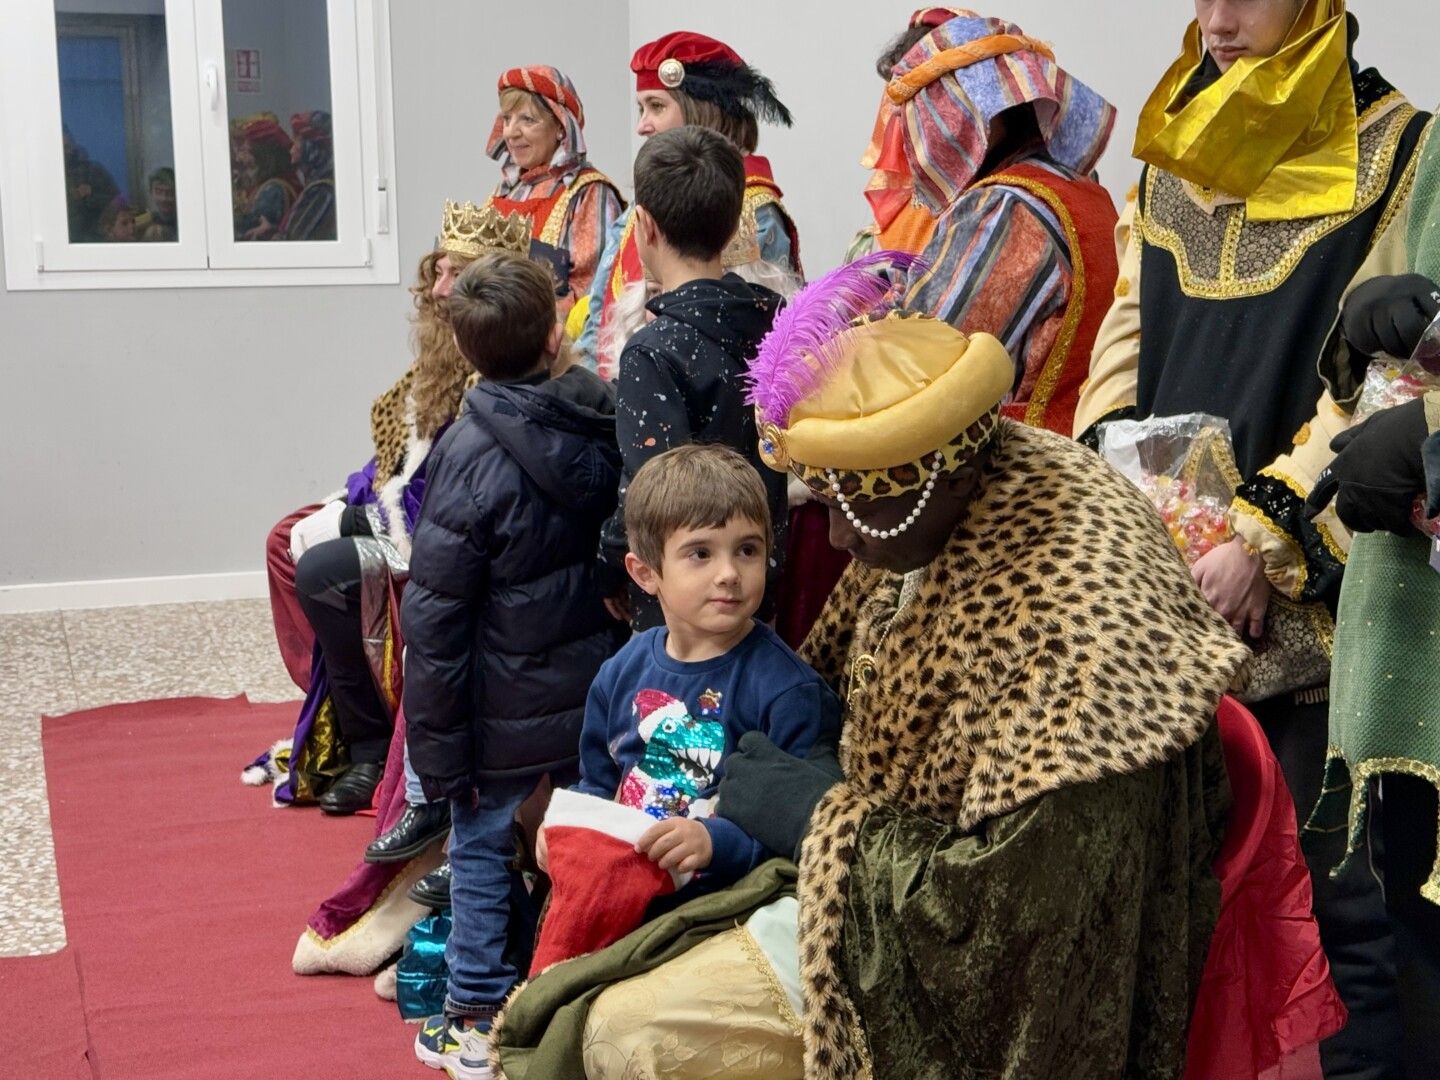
(391, 495)
(270, 771)
(386, 983)
(575, 810)
(377, 935)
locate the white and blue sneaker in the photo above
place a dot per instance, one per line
(455, 1045)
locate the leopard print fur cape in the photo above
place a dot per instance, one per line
(1058, 639)
(391, 426)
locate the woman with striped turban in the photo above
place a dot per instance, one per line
(539, 140)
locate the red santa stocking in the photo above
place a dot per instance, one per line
(600, 885)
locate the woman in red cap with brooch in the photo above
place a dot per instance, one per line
(539, 140)
(687, 78)
(271, 182)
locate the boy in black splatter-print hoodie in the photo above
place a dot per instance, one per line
(682, 375)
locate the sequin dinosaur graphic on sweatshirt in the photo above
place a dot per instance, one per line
(682, 752)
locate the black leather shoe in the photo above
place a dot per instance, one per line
(433, 890)
(412, 834)
(355, 790)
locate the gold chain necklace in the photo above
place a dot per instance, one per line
(863, 669)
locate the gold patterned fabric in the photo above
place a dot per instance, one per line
(717, 1011)
(321, 759)
(1301, 162)
(1223, 251)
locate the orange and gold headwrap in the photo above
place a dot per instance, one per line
(874, 400)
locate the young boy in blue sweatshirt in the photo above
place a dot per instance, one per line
(666, 711)
(504, 617)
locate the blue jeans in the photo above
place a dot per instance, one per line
(414, 793)
(482, 846)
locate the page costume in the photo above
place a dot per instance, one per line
(571, 204)
(1045, 296)
(1389, 619)
(1020, 248)
(1012, 755)
(707, 70)
(1238, 245)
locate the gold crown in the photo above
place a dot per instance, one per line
(470, 231)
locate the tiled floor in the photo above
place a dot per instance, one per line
(55, 662)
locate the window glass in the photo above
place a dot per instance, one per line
(282, 158)
(117, 134)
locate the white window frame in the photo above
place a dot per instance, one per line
(38, 252)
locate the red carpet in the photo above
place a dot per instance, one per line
(184, 894)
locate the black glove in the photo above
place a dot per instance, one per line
(1377, 472)
(771, 794)
(1389, 314)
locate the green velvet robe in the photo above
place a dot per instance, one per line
(1065, 939)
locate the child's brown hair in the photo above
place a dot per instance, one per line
(698, 486)
(503, 313)
(691, 180)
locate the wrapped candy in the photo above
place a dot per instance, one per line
(1197, 523)
(1393, 382)
(1186, 468)
(1390, 382)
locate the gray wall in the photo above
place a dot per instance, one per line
(147, 433)
(152, 433)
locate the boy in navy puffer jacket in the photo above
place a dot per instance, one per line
(504, 618)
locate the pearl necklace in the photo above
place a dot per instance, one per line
(886, 534)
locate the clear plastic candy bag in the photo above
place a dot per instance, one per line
(1389, 382)
(1185, 465)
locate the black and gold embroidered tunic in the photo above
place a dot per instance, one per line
(1235, 313)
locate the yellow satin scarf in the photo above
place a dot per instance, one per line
(1280, 131)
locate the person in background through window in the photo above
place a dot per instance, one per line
(270, 180)
(89, 189)
(117, 223)
(313, 154)
(158, 223)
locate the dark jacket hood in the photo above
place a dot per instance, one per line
(731, 312)
(561, 433)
